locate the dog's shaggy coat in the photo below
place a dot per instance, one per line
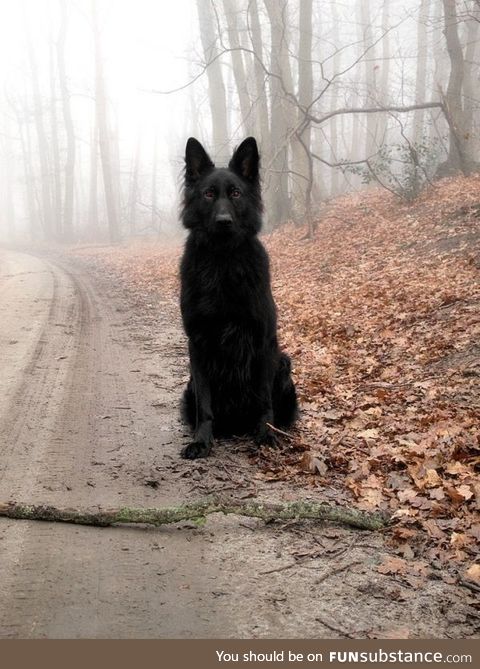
(240, 381)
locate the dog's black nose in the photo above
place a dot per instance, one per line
(224, 218)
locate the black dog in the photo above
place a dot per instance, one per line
(240, 381)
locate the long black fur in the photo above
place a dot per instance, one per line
(240, 380)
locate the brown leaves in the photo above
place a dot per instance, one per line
(383, 311)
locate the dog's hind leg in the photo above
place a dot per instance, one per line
(188, 405)
(263, 433)
(285, 407)
(201, 445)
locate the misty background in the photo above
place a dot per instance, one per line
(97, 100)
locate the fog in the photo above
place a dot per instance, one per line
(221, 70)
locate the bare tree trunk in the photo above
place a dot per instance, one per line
(133, 191)
(8, 169)
(278, 194)
(471, 86)
(77, 220)
(334, 187)
(111, 196)
(41, 134)
(154, 199)
(356, 149)
(116, 169)
(421, 77)
(302, 167)
(231, 15)
(370, 76)
(260, 105)
(439, 68)
(93, 188)
(57, 179)
(194, 123)
(29, 178)
(385, 72)
(216, 86)
(458, 157)
(67, 117)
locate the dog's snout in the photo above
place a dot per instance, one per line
(224, 218)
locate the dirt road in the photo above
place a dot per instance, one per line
(89, 391)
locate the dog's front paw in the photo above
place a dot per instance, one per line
(197, 449)
(265, 436)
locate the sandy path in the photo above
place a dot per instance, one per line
(88, 416)
(64, 437)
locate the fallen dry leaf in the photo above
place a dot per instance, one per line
(473, 573)
(393, 565)
(392, 633)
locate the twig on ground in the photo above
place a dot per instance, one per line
(276, 429)
(297, 563)
(335, 629)
(469, 584)
(332, 572)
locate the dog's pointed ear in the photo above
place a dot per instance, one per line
(197, 161)
(245, 160)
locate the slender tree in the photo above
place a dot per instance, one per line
(133, 190)
(154, 198)
(216, 86)
(281, 111)
(93, 185)
(370, 68)
(421, 75)
(471, 88)
(42, 143)
(21, 116)
(260, 104)
(231, 16)
(302, 166)
(68, 120)
(460, 153)
(54, 141)
(104, 138)
(334, 188)
(8, 169)
(382, 126)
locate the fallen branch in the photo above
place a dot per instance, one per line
(198, 511)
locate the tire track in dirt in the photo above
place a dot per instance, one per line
(35, 409)
(25, 396)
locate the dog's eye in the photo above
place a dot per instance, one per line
(235, 192)
(209, 194)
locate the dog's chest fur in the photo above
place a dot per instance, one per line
(227, 286)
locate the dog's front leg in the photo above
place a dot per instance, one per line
(201, 445)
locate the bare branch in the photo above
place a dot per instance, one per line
(376, 110)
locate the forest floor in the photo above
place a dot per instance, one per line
(380, 314)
